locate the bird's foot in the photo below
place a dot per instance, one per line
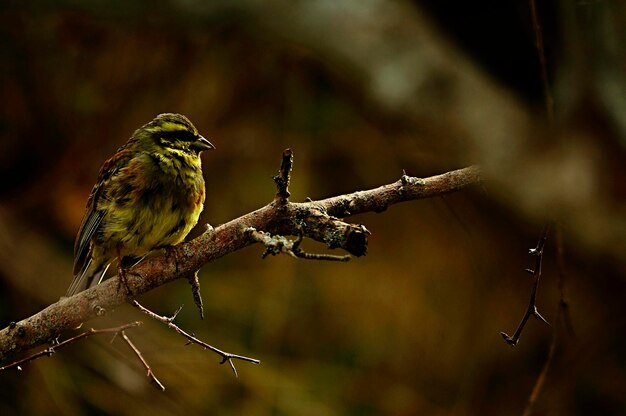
(122, 271)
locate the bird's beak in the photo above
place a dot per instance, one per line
(202, 144)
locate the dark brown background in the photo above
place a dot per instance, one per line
(359, 91)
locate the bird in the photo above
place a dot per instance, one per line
(148, 196)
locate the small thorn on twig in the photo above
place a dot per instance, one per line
(173, 317)
(538, 316)
(410, 180)
(510, 340)
(404, 178)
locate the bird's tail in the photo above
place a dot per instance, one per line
(90, 275)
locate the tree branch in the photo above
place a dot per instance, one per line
(318, 220)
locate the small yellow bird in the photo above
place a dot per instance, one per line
(149, 195)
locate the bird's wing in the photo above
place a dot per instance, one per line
(93, 216)
(89, 226)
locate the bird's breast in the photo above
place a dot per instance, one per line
(157, 203)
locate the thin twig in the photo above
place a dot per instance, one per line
(150, 374)
(537, 253)
(54, 348)
(226, 356)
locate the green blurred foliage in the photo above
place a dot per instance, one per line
(412, 328)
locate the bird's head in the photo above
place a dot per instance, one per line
(173, 132)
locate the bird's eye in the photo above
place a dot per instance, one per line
(188, 136)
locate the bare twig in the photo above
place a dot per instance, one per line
(150, 374)
(54, 348)
(226, 356)
(537, 253)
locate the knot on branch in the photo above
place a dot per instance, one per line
(410, 180)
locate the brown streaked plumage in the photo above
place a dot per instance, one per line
(149, 195)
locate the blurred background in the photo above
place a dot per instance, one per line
(360, 90)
